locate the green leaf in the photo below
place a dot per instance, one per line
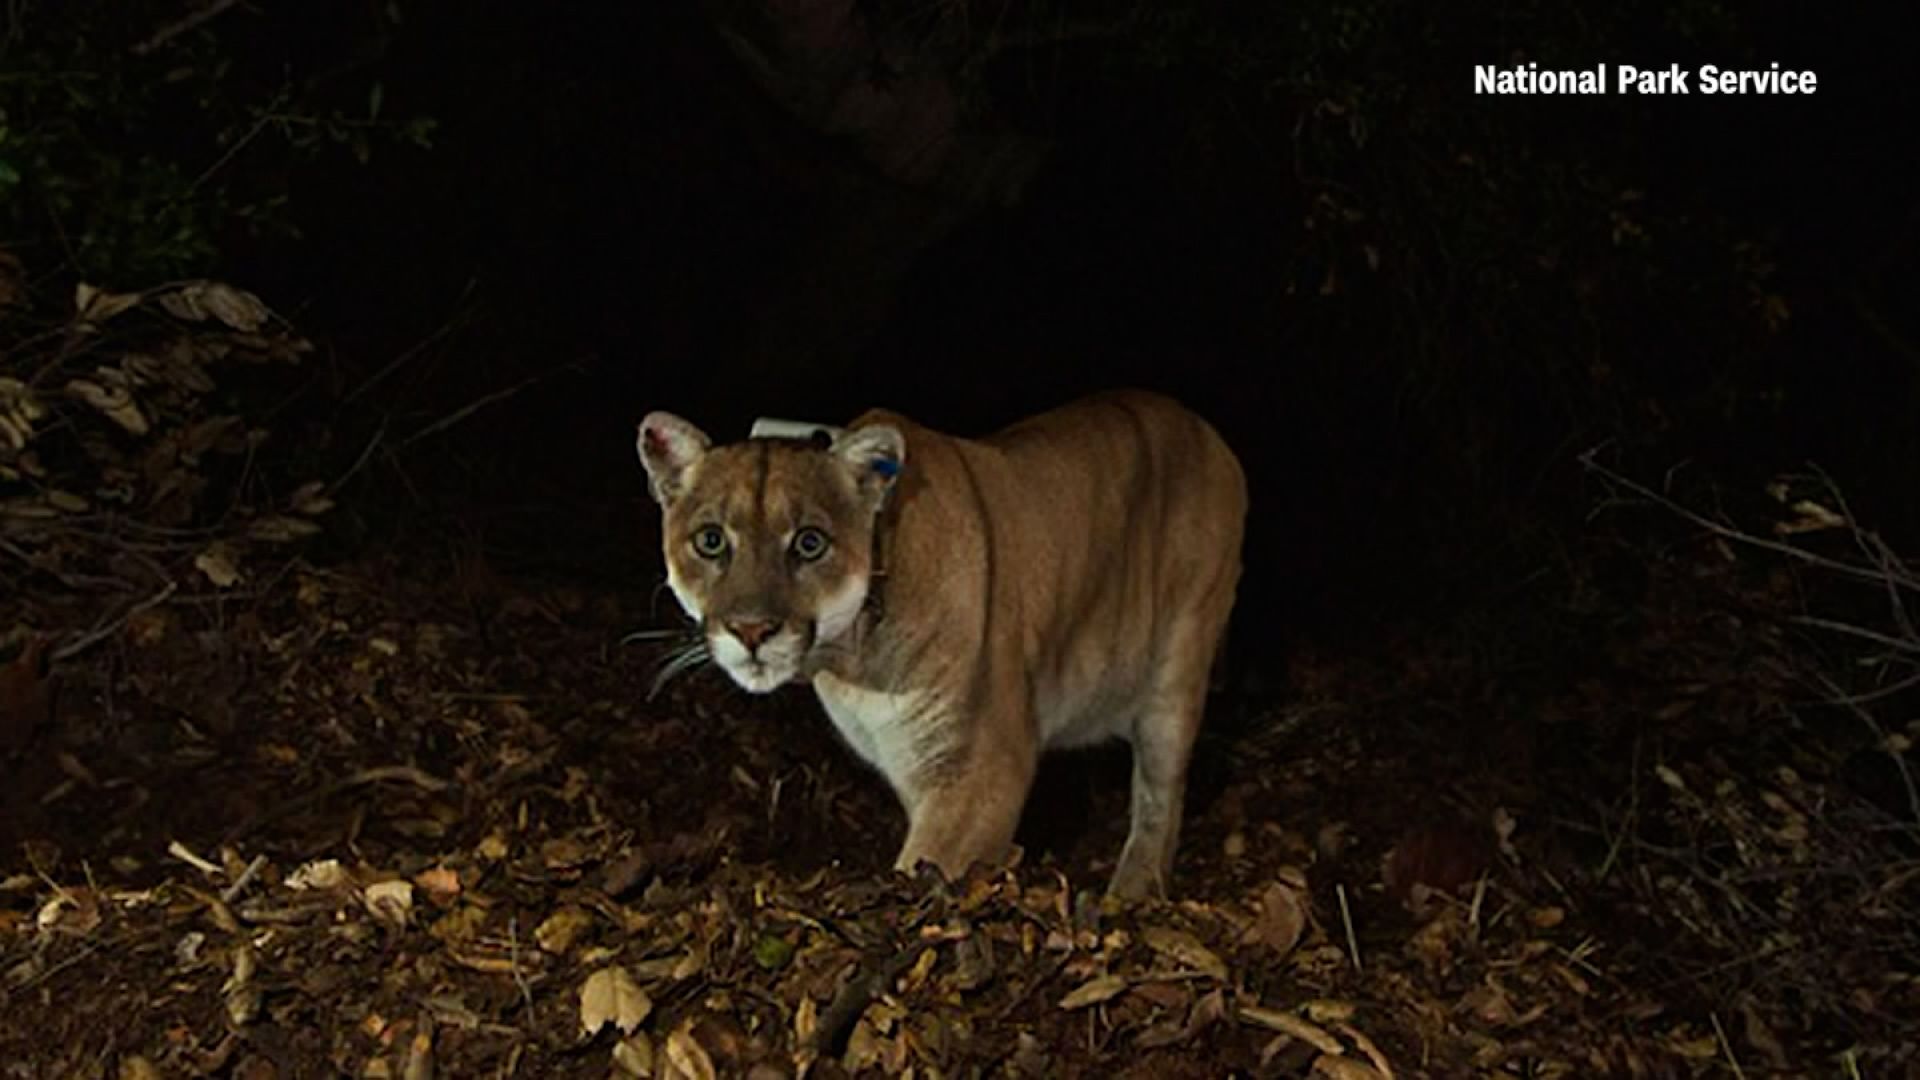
(772, 953)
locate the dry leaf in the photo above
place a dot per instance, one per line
(633, 1055)
(279, 529)
(688, 1055)
(237, 308)
(1283, 918)
(136, 1067)
(1702, 1048)
(1344, 1068)
(1328, 1010)
(441, 882)
(114, 401)
(391, 900)
(557, 933)
(1205, 1013)
(1184, 949)
(1288, 1024)
(1094, 991)
(310, 499)
(96, 305)
(319, 874)
(611, 996)
(1810, 516)
(806, 1021)
(217, 563)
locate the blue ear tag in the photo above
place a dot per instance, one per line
(886, 467)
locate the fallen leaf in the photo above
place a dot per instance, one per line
(281, 529)
(633, 1055)
(238, 308)
(135, 1067)
(1205, 1013)
(1328, 1010)
(1283, 918)
(1344, 1068)
(216, 562)
(611, 996)
(96, 305)
(115, 402)
(1094, 991)
(688, 1055)
(772, 952)
(557, 933)
(1703, 1048)
(310, 498)
(1288, 1024)
(201, 300)
(1185, 949)
(70, 911)
(391, 900)
(442, 883)
(319, 874)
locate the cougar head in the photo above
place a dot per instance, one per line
(769, 542)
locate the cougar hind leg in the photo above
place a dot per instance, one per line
(1162, 741)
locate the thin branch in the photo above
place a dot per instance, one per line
(1880, 736)
(1878, 638)
(112, 626)
(183, 24)
(1727, 532)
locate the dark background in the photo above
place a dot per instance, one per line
(1409, 308)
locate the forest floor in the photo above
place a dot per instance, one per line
(413, 815)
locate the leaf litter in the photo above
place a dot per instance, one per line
(343, 822)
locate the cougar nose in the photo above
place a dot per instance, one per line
(752, 630)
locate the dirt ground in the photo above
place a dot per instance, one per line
(414, 815)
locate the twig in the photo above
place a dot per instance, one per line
(1346, 919)
(1633, 814)
(181, 25)
(1726, 1047)
(85, 951)
(1877, 694)
(856, 994)
(1884, 743)
(1473, 907)
(232, 151)
(1727, 532)
(360, 462)
(233, 891)
(1891, 642)
(185, 854)
(474, 406)
(415, 349)
(97, 635)
(408, 773)
(513, 963)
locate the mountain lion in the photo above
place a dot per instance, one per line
(960, 605)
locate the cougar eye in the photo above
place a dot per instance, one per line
(710, 541)
(809, 544)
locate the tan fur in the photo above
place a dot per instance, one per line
(1059, 583)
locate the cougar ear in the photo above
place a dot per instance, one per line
(668, 446)
(875, 453)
